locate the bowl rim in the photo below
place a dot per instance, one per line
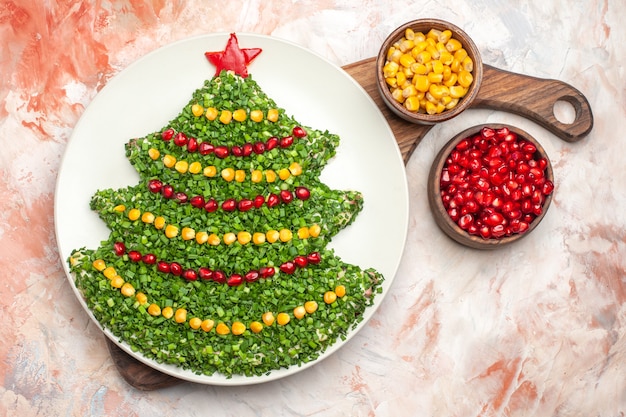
(425, 118)
(443, 220)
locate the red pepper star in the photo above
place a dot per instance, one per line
(233, 58)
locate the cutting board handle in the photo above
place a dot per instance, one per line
(534, 98)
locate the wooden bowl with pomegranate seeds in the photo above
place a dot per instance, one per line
(490, 186)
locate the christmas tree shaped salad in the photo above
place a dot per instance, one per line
(217, 260)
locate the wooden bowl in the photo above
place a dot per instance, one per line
(424, 26)
(440, 213)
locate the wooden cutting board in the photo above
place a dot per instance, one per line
(533, 98)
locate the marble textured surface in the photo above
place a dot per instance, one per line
(537, 329)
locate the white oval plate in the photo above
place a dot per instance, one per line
(152, 91)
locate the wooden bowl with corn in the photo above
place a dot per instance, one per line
(428, 71)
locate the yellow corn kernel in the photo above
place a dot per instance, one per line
(449, 77)
(117, 282)
(180, 316)
(419, 47)
(244, 237)
(295, 169)
(422, 83)
(453, 45)
(154, 310)
(285, 235)
(256, 116)
(270, 175)
(258, 238)
(406, 60)
(229, 238)
(303, 233)
(195, 167)
(134, 214)
(299, 312)
(419, 69)
(171, 231)
(202, 237)
(268, 318)
(445, 36)
(283, 174)
(340, 290)
(99, 265)
(423, 57)
(433, 34)
(240, 115)
(256, 176)
(390, 69)
(188, 233)
(222, 329)
(211, 113)
(457, 91)
(272, 115)
(238, 328)
(410, 91)
(127, 289)
(409, 34)
(120, 208)
(412, 103)
(445, 100)
(213, 239)
(406, 45)
(209, 171)
(455, 66)
(197, 110)
(315, 230)
(272, 235)
(392, 81)
(207, 325)
(283, 319)
(226, 116)
(397, 95)
(228, 174)
(159, 222)
(467, 64)
(310, 307)
(419, 37)
(195, 323)
(256, 327)
(154, 154)
(440, 107)
(167, 312)
(446, 58)
(330, 297)
(465, 79)
(392, 49)
(147, 217)
(432, 50)
(430, 107)
(452, 104)
(141, 298)
(438, 67)
(240, 175)
(169, 161)
(434, 77)
(109, 272)
(181, 166)
(438, 91)
(460, 55)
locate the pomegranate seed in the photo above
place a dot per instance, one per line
(273, 200)
(205, 273)
(197, 201)
(155, 186)
(180, 139)
(267, 271)
(168, 134)
(286, 142)
(258, 201)
(219, 277)
(314, 258)
(192, 145)
(286, 196)
(234, 280)
(190, 275)
(245, 204)
(466, 221)
(547, 188)
(149, 258)
(236, 150)
(247, 149)
(288, 267)
(271, 143)
(176, 269)
(302, 193)
(205, 148)
(163, 267)
(258, 148)
(181, 197)
(211, 205)
(119, 248)
(221, 151)
(298, 132)
(134, 256)
(229, 205)
(167, 191)
(252, 276)
(300, 261)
